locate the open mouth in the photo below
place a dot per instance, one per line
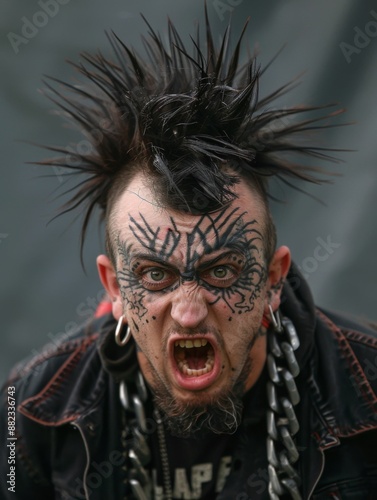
(194, 357)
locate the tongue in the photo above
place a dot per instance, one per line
(196, 358)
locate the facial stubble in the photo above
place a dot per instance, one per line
(221, 414)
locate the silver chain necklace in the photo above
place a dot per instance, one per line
(282, 423)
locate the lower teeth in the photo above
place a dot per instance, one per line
(191, 372)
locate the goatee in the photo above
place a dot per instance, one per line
(222, 415)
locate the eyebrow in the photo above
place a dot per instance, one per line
(214, 260)
(148, 256)
(207, 263)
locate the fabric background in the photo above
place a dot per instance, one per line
(44, 291)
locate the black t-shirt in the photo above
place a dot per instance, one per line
(214, 466)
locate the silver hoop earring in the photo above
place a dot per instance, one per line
(275, 319)
(118, 339)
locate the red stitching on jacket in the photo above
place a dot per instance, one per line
(353, 363)
(56, 382)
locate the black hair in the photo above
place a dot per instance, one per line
(193, 121)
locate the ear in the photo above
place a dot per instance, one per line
(277, 273)
(109, 281)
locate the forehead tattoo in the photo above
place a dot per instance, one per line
(226, 230)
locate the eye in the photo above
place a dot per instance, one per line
(157, 278)
(220, 272)
(157, 274)
(220, 276)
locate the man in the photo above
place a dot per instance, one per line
(209, 372)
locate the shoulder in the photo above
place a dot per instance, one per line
(47, 377)
(362, 336)
(52, 355)
(359, 333)
(50, 389)
(347, 362)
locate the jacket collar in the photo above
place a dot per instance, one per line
(65, 381)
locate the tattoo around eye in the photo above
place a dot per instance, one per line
(236, 277)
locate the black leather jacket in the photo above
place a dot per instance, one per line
(68, 418)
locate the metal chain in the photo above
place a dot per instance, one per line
(134, 440)
(135, 444)
(164, 456)
(283, 396)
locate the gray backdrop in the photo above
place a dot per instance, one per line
(44, 291)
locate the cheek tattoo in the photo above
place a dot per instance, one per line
(225, 231)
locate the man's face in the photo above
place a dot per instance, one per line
(193, 290)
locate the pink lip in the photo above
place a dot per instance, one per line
(202, 381)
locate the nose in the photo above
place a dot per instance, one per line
(189, 306)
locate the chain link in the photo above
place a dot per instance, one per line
(283, 396)
(136, 448)
(138, 453)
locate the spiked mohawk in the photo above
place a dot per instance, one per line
(183, 118)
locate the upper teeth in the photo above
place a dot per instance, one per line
(191, 343)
